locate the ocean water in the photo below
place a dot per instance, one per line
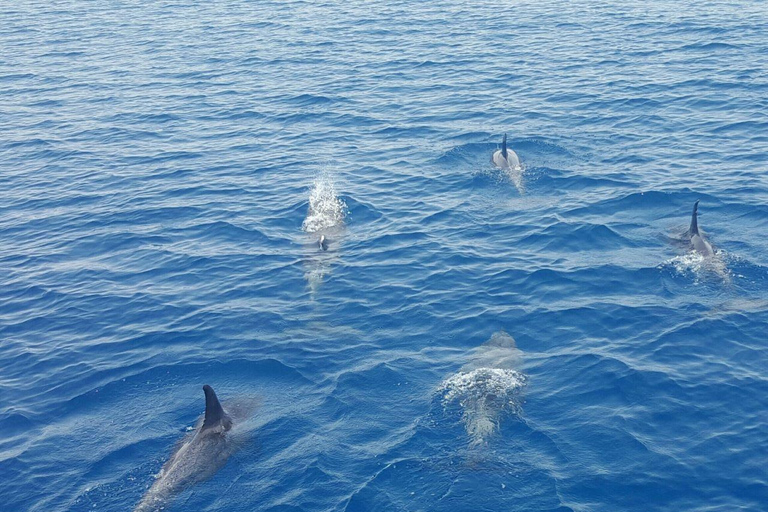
(470, 339)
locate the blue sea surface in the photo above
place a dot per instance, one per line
(473, 339)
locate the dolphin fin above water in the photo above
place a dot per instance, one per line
(504, 147)
(214, 412)
(699, 243)
(694, 229)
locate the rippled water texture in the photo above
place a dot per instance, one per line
(167, 171)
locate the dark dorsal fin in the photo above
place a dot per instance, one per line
(504, 147)
(694, 230)
(214, 413)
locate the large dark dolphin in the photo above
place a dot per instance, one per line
(698, 242)
(197, 457)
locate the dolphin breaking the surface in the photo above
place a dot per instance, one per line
(198, 457)
(487, 387)
(325, 216)
(505, 158)
(698, 242)
(325, 226)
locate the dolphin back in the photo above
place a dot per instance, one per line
(196, 458)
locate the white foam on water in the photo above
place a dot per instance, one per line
(326, 210)
(484, 394)
(699, 265)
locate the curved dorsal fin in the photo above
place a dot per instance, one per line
(694, 229)
(504, 147)
(214, 413)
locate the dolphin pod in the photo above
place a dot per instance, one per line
(198, 457)
(486, 387)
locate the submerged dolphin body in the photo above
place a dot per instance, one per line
(698, 242)
(487, 387)
(505, 158)
(198, 457)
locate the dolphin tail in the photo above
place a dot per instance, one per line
(214, 413)
(504, 147)
(694, 229)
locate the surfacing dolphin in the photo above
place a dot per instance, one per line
(198, 457)
(487, 387)
(325, 227)
(698, 242)
(505, 158)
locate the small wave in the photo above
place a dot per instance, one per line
(709, 47)
(326, 210)
(575, 237)
(306, 100)
(484, 394)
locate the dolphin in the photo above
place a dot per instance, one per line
(487, 387)
(198, 457)
(505, 158)
(698, 242)
(325, 226)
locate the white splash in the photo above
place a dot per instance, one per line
(484, 394)
(699, 265)
(326, 210)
